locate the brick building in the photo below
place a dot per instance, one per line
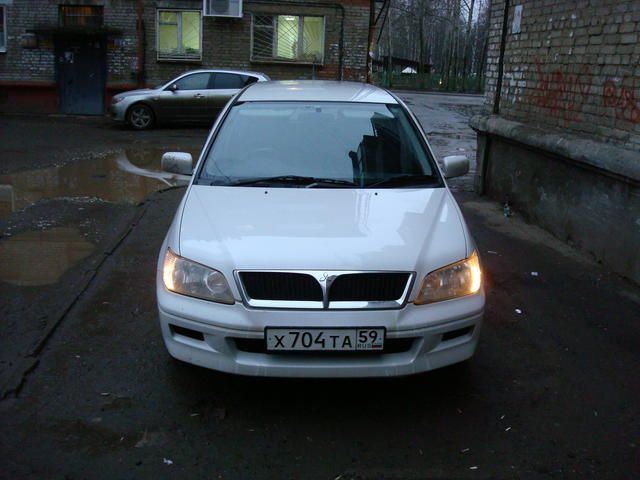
(73, 55)
(561, 137)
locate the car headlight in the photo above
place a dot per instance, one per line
(115, 100)
(194, 280)
(456, 280)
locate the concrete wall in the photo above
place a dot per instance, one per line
(586, 200)
(564, 146)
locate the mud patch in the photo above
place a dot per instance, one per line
(128, 176)
(40, 257)
(466, 110)
(90, 436)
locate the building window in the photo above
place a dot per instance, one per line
(179, 35)
(3, 29)
(80, 16)
(291, 38)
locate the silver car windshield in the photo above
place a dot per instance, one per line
(318, 145)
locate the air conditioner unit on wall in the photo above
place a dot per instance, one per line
(222, 8)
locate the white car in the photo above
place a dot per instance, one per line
(318, 238)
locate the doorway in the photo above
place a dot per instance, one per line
(81, 64)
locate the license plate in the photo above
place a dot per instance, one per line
(324, 339)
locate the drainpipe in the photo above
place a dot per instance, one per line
(341, 44)
(372, 26)
(483, 167)
(496, 97)
(140, 33)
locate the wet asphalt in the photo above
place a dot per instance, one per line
(90, 392)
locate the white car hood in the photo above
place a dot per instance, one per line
(231, 228)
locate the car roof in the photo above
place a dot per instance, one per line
(315, 91)
(224, 70)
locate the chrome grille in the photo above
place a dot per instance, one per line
(319, 289)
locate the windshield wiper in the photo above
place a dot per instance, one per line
(307, 182)
(406, 181)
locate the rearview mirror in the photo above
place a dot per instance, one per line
(173, 87)
(177, 162)
(455, 166)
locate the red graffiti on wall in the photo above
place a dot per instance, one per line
(622, 100)
(563, 94)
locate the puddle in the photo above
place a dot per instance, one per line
(128, 176)
(40, 257)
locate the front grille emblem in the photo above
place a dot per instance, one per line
(325, 281)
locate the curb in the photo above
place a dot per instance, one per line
(29, 362)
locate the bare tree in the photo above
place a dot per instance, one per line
(468, 46)
(445, 37)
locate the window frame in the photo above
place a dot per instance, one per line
(191, 74)
(274, 29)
(66, 17)
(239, 75)
(3, 48)
(177, 57)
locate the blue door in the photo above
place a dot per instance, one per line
(81, 73)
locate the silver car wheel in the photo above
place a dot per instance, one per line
(140, 117)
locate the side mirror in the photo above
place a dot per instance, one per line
(455, 166)
(177, 162)
(173, 87)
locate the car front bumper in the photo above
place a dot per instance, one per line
(421, 338)
(117, 112)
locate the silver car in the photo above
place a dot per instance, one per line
(318, 238)
(195, 96)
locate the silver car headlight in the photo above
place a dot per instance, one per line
(194, 280)
(457, 280)
(115, 100)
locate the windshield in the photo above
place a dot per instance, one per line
(318, 144)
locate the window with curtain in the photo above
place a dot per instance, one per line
(288, 37)
(179, 35)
